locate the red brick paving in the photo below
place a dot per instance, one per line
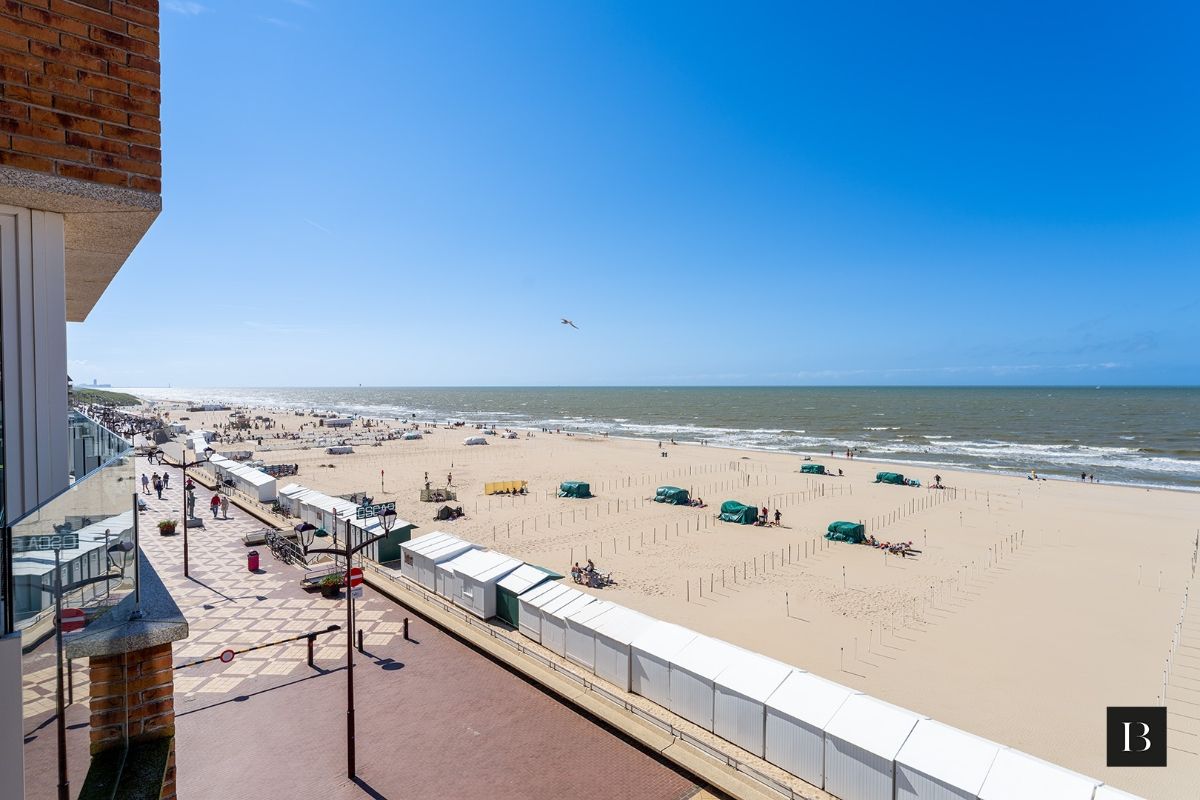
(435, 719)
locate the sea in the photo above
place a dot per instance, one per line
(1141, 436)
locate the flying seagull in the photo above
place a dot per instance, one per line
(568, 322)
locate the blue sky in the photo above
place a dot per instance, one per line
(398, 193)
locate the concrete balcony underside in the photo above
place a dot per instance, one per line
(103, 225)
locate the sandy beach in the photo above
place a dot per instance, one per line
(1031, 607)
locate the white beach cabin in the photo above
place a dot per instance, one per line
(581, 633)
(554, 619)
(616, 630)
(530, 619)
(741, 691)
(861, 743)
(476, 573)
(938, 762)
(693, 669)
(255, 483)
(797, 713)
(287, 498)
(1018, 776)
(420, 556)
(650, 654)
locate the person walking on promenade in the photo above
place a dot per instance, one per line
(224, 506)
(214, 504)
(145, 484)
(158, 487)
(166, 480)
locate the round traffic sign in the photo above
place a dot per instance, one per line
(226, 656)
(356, 576)
(73, 619)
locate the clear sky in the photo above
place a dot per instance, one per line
(396, 193)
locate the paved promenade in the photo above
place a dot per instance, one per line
(434, 718)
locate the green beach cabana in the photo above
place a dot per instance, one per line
(672, 495)
(813, 469)
(733, 511)
(574, 489)
(889, 477)
(850, 532)
(524, 579)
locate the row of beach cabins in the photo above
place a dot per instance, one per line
(853, 746)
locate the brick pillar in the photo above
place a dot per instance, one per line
(135, 689)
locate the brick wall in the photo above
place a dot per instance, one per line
(80, 90)
(142, 683)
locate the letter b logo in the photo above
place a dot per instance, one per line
(1137, 736)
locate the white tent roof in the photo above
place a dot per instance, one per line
(484, 565)
(256, 476)
(539, 597)
(624, 624)
(590, 615)
(948, 754)
(706, 657)
(429, 541)
(754, 676)
(292, 489)
(1107, 792)
(522, 579)
(1019, 776)
(664, 639)
(873, 725)
(566, 605)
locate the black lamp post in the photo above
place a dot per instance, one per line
(185, 465)
(387, 519)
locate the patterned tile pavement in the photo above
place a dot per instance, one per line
(435, 719)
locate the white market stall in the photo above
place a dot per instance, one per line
(530, 623)
(420, 556)
(650, 654)
(613, 635)
(797, 713)
(581, 633)
(938, 762)
(1018, 776)
(740, 692)
(861, 743)
(554, 619)
(693, 669)
(476, 573)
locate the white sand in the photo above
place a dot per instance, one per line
(1021, 620)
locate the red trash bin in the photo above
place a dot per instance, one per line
(252, 561)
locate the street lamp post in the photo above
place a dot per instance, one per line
(387, 519)
(184, 466)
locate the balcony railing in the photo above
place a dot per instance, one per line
(77, 549)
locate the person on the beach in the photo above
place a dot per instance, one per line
(839, 473)
(145, 484)
(214, 505)
(778, 516)
(224, 506)
(449, 478)
(577, 573)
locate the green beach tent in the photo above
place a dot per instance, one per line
(889, 477)
(813, 469)
(672, 495)
(574, 489)
(733, 511)
(850, 532)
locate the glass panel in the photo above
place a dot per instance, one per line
(80, 544)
